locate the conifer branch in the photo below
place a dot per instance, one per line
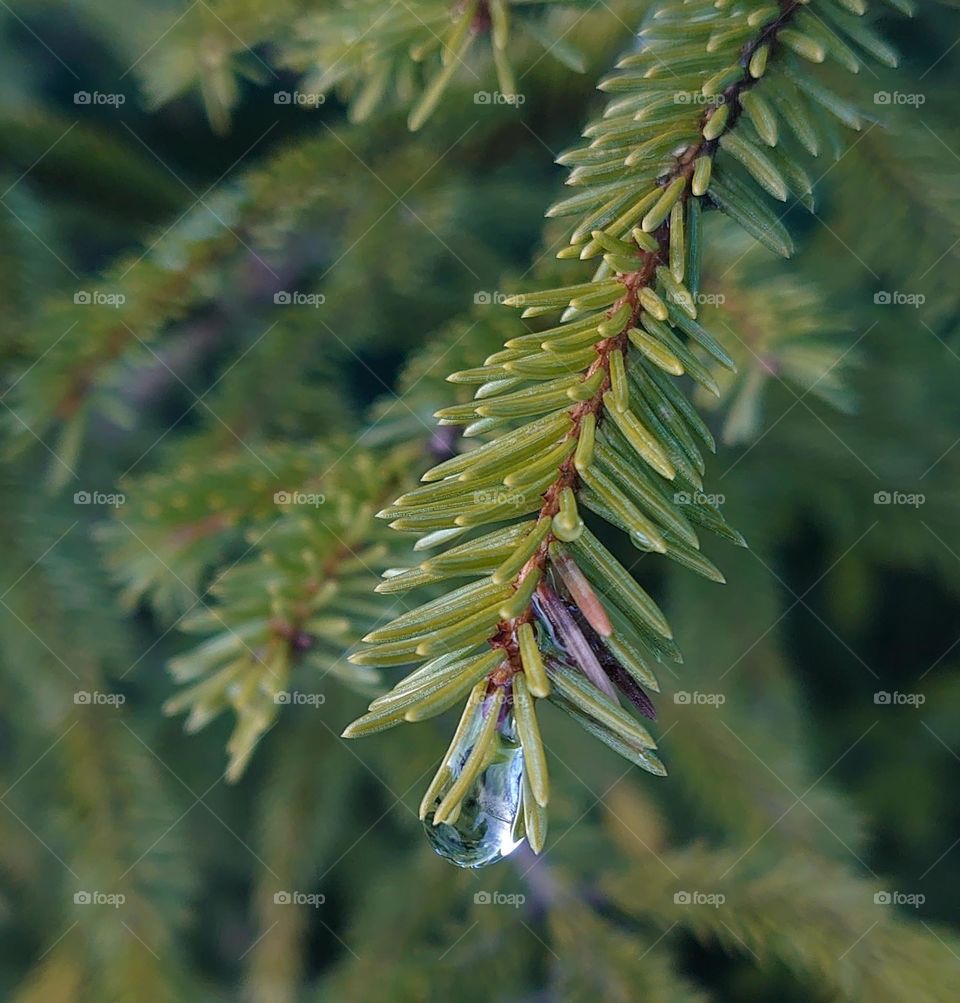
(807, 892)
(361, 52)
(750, 867)
(85, 349)
(548, 616)
(295, 598)
(88, 761)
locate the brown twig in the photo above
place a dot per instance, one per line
(505, 634)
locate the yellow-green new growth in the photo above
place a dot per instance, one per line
(586, 415)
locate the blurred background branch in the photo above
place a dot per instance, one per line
(233, 283)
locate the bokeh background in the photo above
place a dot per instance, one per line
(212, 295)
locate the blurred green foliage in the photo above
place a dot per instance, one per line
(811, 734)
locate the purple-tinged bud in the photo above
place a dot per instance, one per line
(581, 592)
(571, 640)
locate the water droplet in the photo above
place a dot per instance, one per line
(490, 820)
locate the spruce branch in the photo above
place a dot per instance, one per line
(775, 327)
(173, 528)
(824, 907)
(110, 789)
(610, 431)
(361, 52)
(293, 599)
(310, 868)
(88, 347)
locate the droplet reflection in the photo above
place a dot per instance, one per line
(489, 825)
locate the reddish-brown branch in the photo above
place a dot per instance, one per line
(731, 96)
(505, 634)
(567, 477)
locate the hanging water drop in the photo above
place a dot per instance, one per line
(489, 824)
